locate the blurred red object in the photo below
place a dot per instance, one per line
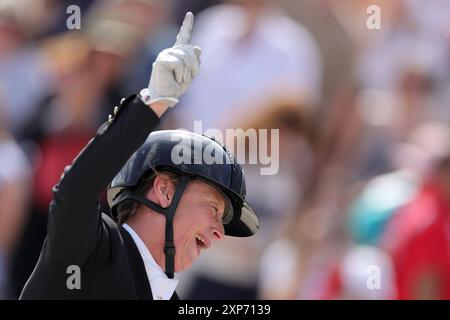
(418, 239)
(57, 151)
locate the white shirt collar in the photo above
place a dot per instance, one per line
(162, 287)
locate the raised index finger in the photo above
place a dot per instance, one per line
(185, 34)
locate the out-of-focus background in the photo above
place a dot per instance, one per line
(360, 206)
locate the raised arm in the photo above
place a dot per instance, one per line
(74, 218)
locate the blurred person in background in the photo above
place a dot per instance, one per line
(296, 163)
(377, 223)
(407, 36)
(276, 196)
(66, 121)
(372, 206)
(377, 205)
(409, 57)
(398, 82)
(364, 273)
(323, 18)
(311, 262)
(264, 55)
(295, 263)
(15, 180)
(376, 125)
(355, 141)
(367, 123)
(22, 64)
(24, 68)
(379, 122)
(300, 261)
(382, 197)
(418, 235)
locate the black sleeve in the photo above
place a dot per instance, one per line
(75, 223)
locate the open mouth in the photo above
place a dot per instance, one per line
(202, 242)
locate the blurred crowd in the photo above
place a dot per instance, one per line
(360, 205)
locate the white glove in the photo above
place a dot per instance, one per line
(174, 68)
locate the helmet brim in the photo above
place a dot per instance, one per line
(246, 225)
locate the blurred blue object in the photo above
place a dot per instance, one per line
(380, 199)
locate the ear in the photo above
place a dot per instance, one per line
(164, 189)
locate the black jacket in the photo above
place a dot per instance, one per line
(79, 234)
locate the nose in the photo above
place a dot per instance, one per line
(218, 233)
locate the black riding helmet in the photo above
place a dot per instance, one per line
(191, 156)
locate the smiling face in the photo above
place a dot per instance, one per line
(197, 222)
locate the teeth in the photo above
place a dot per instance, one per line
(199, 238)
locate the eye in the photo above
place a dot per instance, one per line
(215, 212)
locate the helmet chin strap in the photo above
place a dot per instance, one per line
(169, 213)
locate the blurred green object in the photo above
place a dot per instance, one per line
(380, 199)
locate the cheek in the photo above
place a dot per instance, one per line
(184, 226)
(181, 231)
(189, 219)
